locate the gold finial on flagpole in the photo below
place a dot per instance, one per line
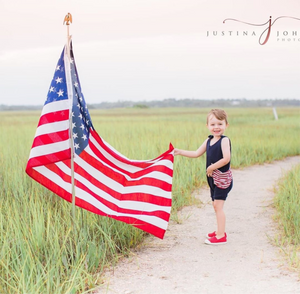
(68, 19)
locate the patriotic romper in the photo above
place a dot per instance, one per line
(214, 154)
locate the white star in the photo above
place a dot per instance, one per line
(76, 84)
(58, 80)
(72, 60)
(73, 125)
(75, 135)
(84, 137)
(82, 126)
(72, 114)
(78, 105)
(87, 122)
(58, 67)
(80, 99)
(52, 89)
(76, 146)
(60, 93)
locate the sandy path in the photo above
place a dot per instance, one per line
(183, 264)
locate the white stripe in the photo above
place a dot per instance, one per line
(126, 204)
(55, 106)
(52, 176)
(49, 148)
(151, 162)
(156, 221)
(114, 150)
(128, 167)
(153, 175)
(52, 128)
(118, 187)
(115, 185)
(126, 158)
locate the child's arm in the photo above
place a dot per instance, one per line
(192, 154)
(225, 145)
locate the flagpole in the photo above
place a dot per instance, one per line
(67, 20)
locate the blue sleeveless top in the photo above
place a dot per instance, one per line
(214, 153)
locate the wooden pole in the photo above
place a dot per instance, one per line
(67, 20)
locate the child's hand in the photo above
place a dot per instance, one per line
(209, 171)
(176, 151)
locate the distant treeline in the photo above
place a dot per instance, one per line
(172, 102)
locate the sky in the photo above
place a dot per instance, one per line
(142, 50)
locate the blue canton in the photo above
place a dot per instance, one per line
(58, 87)
(81, 120)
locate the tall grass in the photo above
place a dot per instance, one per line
(287, 203)
(39, 250)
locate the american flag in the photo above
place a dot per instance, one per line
(137, 192)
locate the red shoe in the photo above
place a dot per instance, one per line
(215, 241)
(213, 234)
(210, 235)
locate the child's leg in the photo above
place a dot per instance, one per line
(221, 219)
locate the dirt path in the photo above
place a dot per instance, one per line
(183, 264)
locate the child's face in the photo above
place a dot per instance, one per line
(216, 127)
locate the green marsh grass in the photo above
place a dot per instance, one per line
(39, 250)
(287, 203)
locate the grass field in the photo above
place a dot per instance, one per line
(287, 202)
(39, 251)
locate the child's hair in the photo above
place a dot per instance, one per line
(219, 114)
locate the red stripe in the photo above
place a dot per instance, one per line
(64, 156)
(142, 164)
(67, 178)
(142, 225)
(55, 116)
(158, 213)
(50, 138)
(49, 158)
(46, 182)
(132, 196)
(121, 178)
(149, 228)
(157, 167)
